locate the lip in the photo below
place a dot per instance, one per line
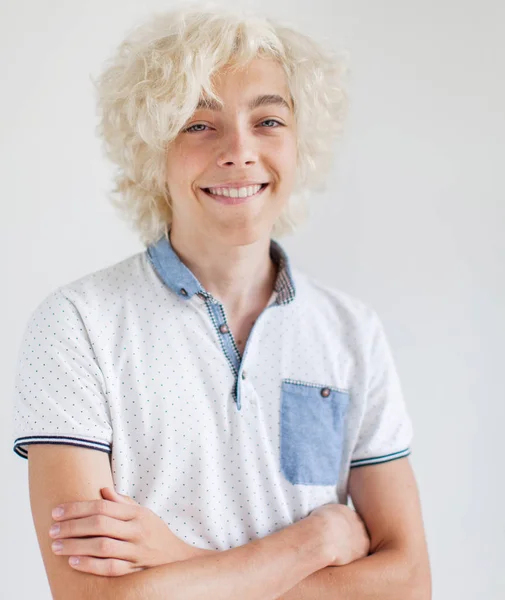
(231, 201)
(235, 184)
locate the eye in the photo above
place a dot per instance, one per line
(273, 121)
(191, 129)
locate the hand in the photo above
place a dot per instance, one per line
(347, 533)
(127, 537)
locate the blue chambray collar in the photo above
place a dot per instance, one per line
(179, 278)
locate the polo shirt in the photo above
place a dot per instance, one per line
(137, 360)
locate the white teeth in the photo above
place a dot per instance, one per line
(242, 192)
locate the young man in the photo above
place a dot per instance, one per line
(230, 396)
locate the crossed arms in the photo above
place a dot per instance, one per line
(287, 565)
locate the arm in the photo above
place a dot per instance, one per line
(386, 498)
(261, 570)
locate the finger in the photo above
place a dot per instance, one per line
(98, 547)
(111, 494)
(108, 567)
(96, 525)
(76, 510)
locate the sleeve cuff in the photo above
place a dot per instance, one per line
(361, 462)
(21, 443)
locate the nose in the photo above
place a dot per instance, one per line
(238, 149)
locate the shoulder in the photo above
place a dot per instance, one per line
(93, 297)
(104, 285)
(111, 282)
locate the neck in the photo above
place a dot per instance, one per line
(239, 276)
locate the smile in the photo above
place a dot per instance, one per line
(227, 195)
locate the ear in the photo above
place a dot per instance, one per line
(111, 494)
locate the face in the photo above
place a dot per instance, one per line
(231, 170)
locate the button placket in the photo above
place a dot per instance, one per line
(218, 317)
(230, 349)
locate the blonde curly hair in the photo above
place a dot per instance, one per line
(151, 86)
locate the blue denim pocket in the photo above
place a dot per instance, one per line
(311, 432)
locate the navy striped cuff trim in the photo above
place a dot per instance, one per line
(19, 443)
(380, 459)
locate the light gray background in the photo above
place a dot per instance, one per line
(412, 223)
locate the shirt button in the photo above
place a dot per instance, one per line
(243, 375)
(325, 392)
(184, 292)
(224, 328)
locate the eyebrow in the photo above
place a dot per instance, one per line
(264, 99)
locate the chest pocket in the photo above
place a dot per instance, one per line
(312, 419)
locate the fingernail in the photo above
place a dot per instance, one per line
(56, 546)
(55, 529)
(58, 512)
(73, 560)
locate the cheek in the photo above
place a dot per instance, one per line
(286, 160)
(183, 166)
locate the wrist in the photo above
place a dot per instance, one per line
(314, 541)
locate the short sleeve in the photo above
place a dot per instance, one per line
(59, 392)
(385, 431)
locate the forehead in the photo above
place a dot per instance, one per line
(262, 81)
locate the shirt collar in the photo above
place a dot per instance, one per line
(179, 278)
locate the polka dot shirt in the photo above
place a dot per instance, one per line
(137, 360)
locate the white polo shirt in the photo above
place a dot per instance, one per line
(137, 360)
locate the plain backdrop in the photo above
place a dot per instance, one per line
(411, 222)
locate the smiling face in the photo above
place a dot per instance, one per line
(222, 156)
